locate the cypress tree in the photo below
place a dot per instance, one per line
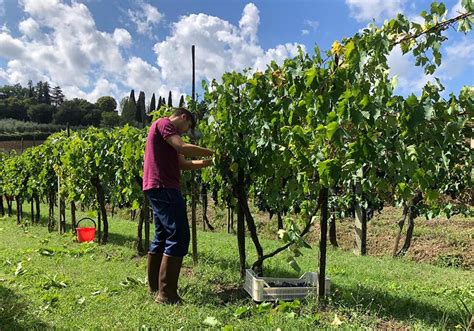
(152, 108)
(152, 103)
(39, 92)
(140, 113)
(170, 100)
(160, 103)
(128, 111)
(31, 89)
(46, 95)
(181, 101)
(132, 97)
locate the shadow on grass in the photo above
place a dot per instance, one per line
(231, 295)
(114, 238)
(218, 291)
(391, 306)
(226, 263)
(120, 239)
(14, 313)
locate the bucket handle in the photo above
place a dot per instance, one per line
(85, 218)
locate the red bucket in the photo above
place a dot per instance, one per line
(85, 234)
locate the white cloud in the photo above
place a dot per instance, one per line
(103, 87)
(17, 72)
(30, 28)
(458, 59)
(456, 10)
(314, 25)
(122, 37)
(11, 48)
(411, 78)
(4, 28)
(277, 54)
(71, 53)
(249, 22)
(147, 77)
(309, 25)
(146, 17)
(366, 10)
(220, 47)
(416, 18)
(61, 44)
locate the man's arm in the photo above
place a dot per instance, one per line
(185, 149)
(192, 164)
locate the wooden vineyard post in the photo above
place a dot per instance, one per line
(323, 223)
(59, 206)
(38, 213)
(32, 211)
(193, 175)
(2, 209)
(61, 210)
(18, 209)
(360, 226)
(203, 208)
(73, 217)
(99, 227)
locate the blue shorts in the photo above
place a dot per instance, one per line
(171, 222)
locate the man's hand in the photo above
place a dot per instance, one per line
(193, 164)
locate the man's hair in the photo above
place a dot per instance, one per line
(181, 110)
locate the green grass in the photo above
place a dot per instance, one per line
(63, 284)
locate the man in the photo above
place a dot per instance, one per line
(165, 154)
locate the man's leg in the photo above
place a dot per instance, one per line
(175, 249)
(155, 251)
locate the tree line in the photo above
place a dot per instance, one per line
(44, 104)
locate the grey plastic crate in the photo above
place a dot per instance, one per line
(260, 290)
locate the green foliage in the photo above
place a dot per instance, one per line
(41, 113)
(77, 112)
(57, 96)
(106, 104)
(16, 91)
(337, 123)
(110, 119)
(307, 124)
(129, 110)
(15, 126)
(400, 293)
(140, 115)
(13, 108)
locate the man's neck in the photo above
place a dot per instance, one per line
(173, 121)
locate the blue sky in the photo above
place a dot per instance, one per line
(107, 47)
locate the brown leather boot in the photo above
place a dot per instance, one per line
(153, 268)
(168, 284)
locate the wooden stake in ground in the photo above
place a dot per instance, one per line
(193, 176)
(360, 226)
(323, 223)
(73, 216)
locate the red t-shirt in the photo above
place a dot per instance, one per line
(161, 167)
